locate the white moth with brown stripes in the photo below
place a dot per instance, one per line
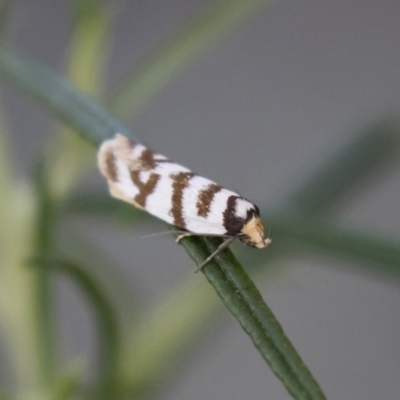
(178, 196)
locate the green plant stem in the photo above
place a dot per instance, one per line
(109, 343)
(230, 281)
(380, 255)
(56, 94)
(69, 154)
(245, 302)
(42, 304)
(5, 6)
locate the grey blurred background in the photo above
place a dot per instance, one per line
(257, 114)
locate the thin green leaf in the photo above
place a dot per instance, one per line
(44, 233)
(70, 154)
(109, 336)
(245, 302)
(43, 332)
(53, 181)
(68, 385)
(230, 282)
(165, 335)
(75, 244)
(56, 94)
(5, 6)
(89, 48)
(381, 255)
(17, 220)
(102, 205)
(370, 150)
(6, 177)
(202, 33)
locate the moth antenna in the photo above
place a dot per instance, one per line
(221, 247)
(183, 233)
(161, 233)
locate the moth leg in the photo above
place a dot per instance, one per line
(183, 235)
(221, 247)
(188, 234)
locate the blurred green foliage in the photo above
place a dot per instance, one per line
(134, 358)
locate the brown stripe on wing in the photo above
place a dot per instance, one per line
(180, 182)
(232, 223)
(205, 198)
(147, 159)
(109, 167)
(145, 188)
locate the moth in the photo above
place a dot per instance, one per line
(178, 196)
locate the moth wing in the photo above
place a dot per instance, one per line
(120, 160)
(135, 156)
(205, 215)
(138, 176)
(176, 200)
